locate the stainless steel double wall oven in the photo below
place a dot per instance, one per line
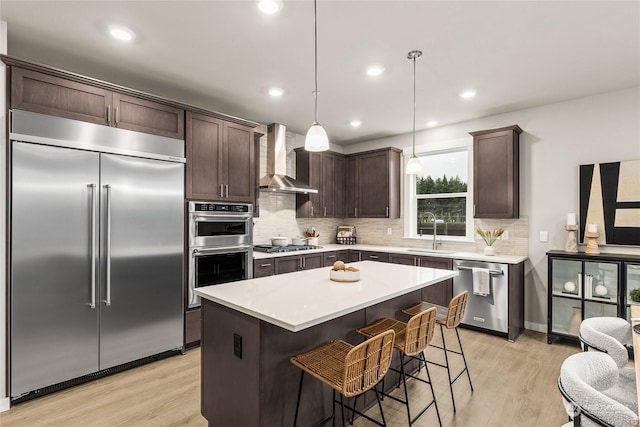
(220, 244)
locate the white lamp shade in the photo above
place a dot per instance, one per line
(317, 139)
(414, 166)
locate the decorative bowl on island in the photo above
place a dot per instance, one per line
(341, 273)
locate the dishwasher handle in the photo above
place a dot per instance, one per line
(492, 272)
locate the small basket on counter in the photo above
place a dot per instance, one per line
(346, 235)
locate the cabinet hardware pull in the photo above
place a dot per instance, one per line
(355, 212)
(221, 190)
(108, 113)
(325, 211)
(311, 210)
(226, 190)
(387, 211)
(331, 256)
(265, 265)
(373, 257)
(92, 188)
(107, 189)
(115, 111)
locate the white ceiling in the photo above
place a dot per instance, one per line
(225, 55)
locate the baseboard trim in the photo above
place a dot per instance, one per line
(5, 404)
(538, 327)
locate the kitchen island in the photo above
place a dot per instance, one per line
(251, 328)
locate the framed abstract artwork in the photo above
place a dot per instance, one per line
(610, 199)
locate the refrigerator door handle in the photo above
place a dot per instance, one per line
(92, 191)
(107, 189)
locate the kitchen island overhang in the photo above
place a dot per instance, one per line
(251, 329)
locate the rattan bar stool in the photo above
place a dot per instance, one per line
(447, 317)
(411, 340)
(349, 370)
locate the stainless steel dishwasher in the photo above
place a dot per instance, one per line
(491, 311)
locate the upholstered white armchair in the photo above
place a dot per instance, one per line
(611, 335)
(586, 382)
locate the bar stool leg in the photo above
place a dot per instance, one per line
(333, 407)
(404, 383)
(295, 418)
(433, 393)
(446, 362)
(375, 389)
(464, 359)
(342, 408)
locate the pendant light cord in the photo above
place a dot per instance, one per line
(414, 106)
(315, 39)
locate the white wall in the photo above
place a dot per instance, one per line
(557, 138)
(4, 401)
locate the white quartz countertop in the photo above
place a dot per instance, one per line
(299, 300)
(470, 256)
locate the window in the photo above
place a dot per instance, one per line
(439, 196)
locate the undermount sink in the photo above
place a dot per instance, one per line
(430, 251)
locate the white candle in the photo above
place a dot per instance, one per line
(571, 219)
(592, 228)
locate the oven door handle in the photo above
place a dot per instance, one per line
(220, 218)
(219, 250)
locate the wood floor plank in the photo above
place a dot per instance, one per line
(515, 385)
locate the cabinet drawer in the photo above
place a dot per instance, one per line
(375, 256)
(147, 116)
(333, 256)
(263, 267)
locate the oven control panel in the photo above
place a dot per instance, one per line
(221, 207)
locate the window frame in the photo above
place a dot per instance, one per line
(411, 198)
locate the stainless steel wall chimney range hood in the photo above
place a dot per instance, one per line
(277, 178)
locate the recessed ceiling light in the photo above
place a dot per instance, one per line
(275, 91)
(355, 123)
(121, 33)
(431, 123)
(270, 6)
(375, 70)
(468, 94)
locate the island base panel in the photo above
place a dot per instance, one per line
(261, 388)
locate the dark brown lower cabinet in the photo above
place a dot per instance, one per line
(289, 264)
(330, 257)
(192, 327)
(440, 293)
(355, 255)
(263, 267)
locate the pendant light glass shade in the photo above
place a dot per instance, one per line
(414, 167)
(317, 139)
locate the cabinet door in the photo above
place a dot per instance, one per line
(339, 208)
(287, 264)
(192, 326)
(147, 116)
(204, 137)
(311, 261)
(439, 293)
(351, 187)
(328, 193)
(41, 93)
(355, 256)
(238, 164)
(496, 173)
(373, 185)
(632, 286)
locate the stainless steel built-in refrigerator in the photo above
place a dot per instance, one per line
(96, 249)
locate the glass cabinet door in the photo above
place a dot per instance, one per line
(600, 288)
(633, 286)
(566, 304)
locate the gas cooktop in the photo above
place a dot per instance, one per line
(288, 248)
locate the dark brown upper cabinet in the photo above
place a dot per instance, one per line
(220, 160)
(325, 172)
(496, 173)
(56, 96)
(373, 184)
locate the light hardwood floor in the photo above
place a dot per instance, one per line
(514, 383)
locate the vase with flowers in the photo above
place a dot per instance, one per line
(490, 237)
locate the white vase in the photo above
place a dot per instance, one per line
(489, 251)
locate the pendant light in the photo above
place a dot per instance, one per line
(317, 139)
(414, 166)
